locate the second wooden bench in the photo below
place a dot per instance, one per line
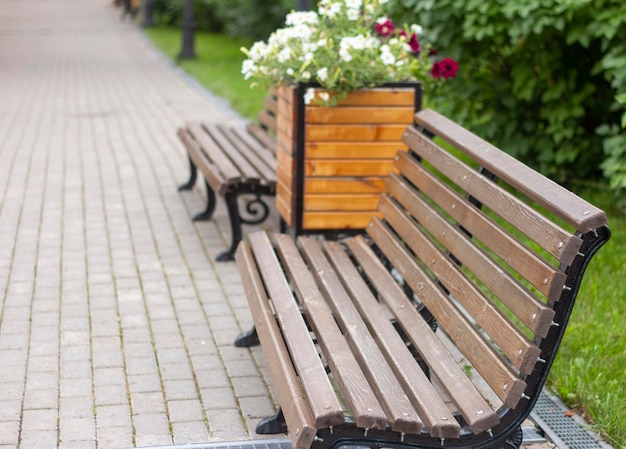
(235, 160)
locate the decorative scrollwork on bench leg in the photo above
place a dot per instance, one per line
(253, 208)
(207, 213)
(193, 176)
(272, 425)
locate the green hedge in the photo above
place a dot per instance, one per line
(540, 78)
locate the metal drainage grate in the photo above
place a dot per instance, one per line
(282, 443)
(566, 432)
(548, 414)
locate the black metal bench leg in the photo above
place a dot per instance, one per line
(272, 425)
(247, 339)
(193, 176)
(207, 213)
(235, 228)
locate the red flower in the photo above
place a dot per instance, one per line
(385, 29)
(446, 68)
(413, 42)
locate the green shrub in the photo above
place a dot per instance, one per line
(538, 77)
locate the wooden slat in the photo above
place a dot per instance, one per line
(325, 407)
(504, 382)
(354, 114)
(257, 156)
(532, 312)
(348, 167)
(235, 154)
(366, 410)
(286, 384)
(522, 352)
(569, 207)
(268, 120)
(261, 134)
(386, 387)
(210, 172)
(227, 169)
(336, 220)
(557, 241)
(451, 376)
(341, 202)
(367, 184)
(396, 96)
(543, 276)
(270, 104)
(434, 412)
(354, 132)
(347, 150)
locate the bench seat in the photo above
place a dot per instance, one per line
(436, 328)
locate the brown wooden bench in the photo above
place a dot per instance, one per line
(235, 160)
(470, 243)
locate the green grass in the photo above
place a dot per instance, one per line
(217, 66)
(590, 370)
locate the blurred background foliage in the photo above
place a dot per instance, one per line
(543, 79)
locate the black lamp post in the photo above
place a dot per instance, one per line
(148, 7)
(188, 28)
(303, 5)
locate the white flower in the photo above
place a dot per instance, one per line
(354, 4)
(306, 75)
(309, 95)
(325, 96)
(386, 56)
(353, 14)
(290, 71)
(248, 67)
(284, 55)
(301, 18)
(417, 29)
(322, 74)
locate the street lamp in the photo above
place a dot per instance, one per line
(303, 5)
(188, 28)
(148, 7)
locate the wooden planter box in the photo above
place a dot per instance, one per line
(332, 161)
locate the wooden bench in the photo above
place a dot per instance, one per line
(235, 160)
(470, 243)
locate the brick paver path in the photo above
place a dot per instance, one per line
(116, 326)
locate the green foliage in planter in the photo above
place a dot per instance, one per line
(539, 78)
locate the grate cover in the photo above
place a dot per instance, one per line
(282, 443)
(566, 432)
(548, 414)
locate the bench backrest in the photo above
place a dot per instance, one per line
(492, 249)
(265, 129)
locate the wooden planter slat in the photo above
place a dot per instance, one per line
(359, 115)
(348, 167)
(345, 150)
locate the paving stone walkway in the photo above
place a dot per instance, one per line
(116, 326)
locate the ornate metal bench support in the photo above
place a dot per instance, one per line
(256, 208)
(207, 213)
(247, 339)
(272, 425)
(193, 175)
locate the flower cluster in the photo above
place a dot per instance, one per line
(344, 45)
